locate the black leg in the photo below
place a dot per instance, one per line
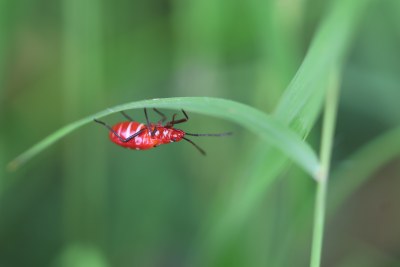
(196, 146)
(181, 120)
(173, 122)
(124, 140)
(163, 117)
(134, 135)
(186, 115)
(148, 122)
(126, 116)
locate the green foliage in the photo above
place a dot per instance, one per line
(250, 202)
(253, 120)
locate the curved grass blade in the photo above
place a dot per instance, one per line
(252, 119)
(352, 173)
(299, 107)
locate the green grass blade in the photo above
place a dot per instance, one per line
(328, 130)
(299, 107)
(328, 49)
(252, 119)
(356, 170)
(82, 67)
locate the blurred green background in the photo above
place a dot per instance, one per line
(87, 202)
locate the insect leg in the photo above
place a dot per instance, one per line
(148, 122)
(135, 134)
(163, 117)
(170, 124)
(173, 122)
(126, 116)
(181, 120)
(117, 135)
(196, 146)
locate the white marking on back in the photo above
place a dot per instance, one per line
(139, 127)
(128, 130)
(138, 140)
(119, 129)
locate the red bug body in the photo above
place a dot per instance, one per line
(139, 136)
(161, 135)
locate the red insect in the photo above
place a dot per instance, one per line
(139, 136)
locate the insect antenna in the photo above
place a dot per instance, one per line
(196, 146)
(216, 134)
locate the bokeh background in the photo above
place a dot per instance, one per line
(87, 202)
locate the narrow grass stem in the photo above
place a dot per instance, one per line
(328, 129)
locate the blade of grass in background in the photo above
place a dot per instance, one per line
(299, 108)
(5, 30)
(328, 131)
(346, 179)
(276, 25)
(279, 28)
(84, 199)
(355, 171)
(198, 49)
(6, 25)
(250, 118)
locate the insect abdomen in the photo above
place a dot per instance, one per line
(125, 130)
